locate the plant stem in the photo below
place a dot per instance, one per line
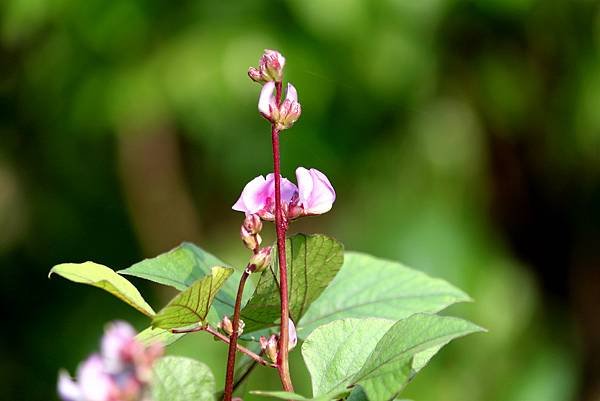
(281, 228)
(225, 339)
(235, 324)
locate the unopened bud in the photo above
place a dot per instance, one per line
(269, 347)
(226, 325)
(252, 224)
(270, 67)
(261, 259)
(251, 241)
(292, 336)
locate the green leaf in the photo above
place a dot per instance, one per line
(182, 379)
(192, 305)
(312, 261)
(376, 354)
(103, 277)
(156, 335)
(335, 352)
(286, 395)
(371, 287)
(182, 266)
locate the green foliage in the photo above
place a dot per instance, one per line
(312, 262)
(192, 305)
(367, 286)
(157, 335)
(341, 354)
(103, 277)
(182, 266)
(182, 379)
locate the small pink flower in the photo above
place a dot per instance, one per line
(287, 113)
(93, 382)
(316, 194)
(258, 196)
(118, 345)
(122, 371)
(270, 67)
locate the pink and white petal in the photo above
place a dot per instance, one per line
(68, 390)
(251, 199)
(94, 382)
(291, 94)
(305, 185)
(266, 95)
(288, 190)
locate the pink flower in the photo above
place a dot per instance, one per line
(93, 383)
(314, 195)
(258, 196)
(287, 113)
(122, 371)
(270, 67)
(118, 345)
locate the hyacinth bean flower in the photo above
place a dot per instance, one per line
(314, 195)
(270, 67)
(121, 371)
(287, 113)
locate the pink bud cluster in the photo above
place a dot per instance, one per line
(122, 371)
(270, 67)
(270, 73)
(314, 195)
(270, 345)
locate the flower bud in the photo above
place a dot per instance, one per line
(252, 224)
(226, 325)
(250, 241)
(261, 259)
(284, 115)
(269, 347)
(292, 336)
(270, 67)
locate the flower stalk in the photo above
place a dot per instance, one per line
(281, 228)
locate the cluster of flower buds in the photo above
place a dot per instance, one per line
(122, 371)
(226, 326)
(270, 345)
(270, 67)
(314, 195)
(270, 73)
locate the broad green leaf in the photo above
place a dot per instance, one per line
(182, 266)
(192, 305)
(389, 367)
(376, 354)
(371, 287)
(156, 335)
(313, 261)
(335, 352)
(286, 395)
(182, 379)
(103, 277)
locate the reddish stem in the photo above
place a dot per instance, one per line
(235, 324)
(225, 339)
(281, 228)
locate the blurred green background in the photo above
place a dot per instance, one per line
(462, 137)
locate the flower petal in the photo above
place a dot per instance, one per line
(253, 196)
(68, 390)
(266, 96)
(316, 192)
(291, 94)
